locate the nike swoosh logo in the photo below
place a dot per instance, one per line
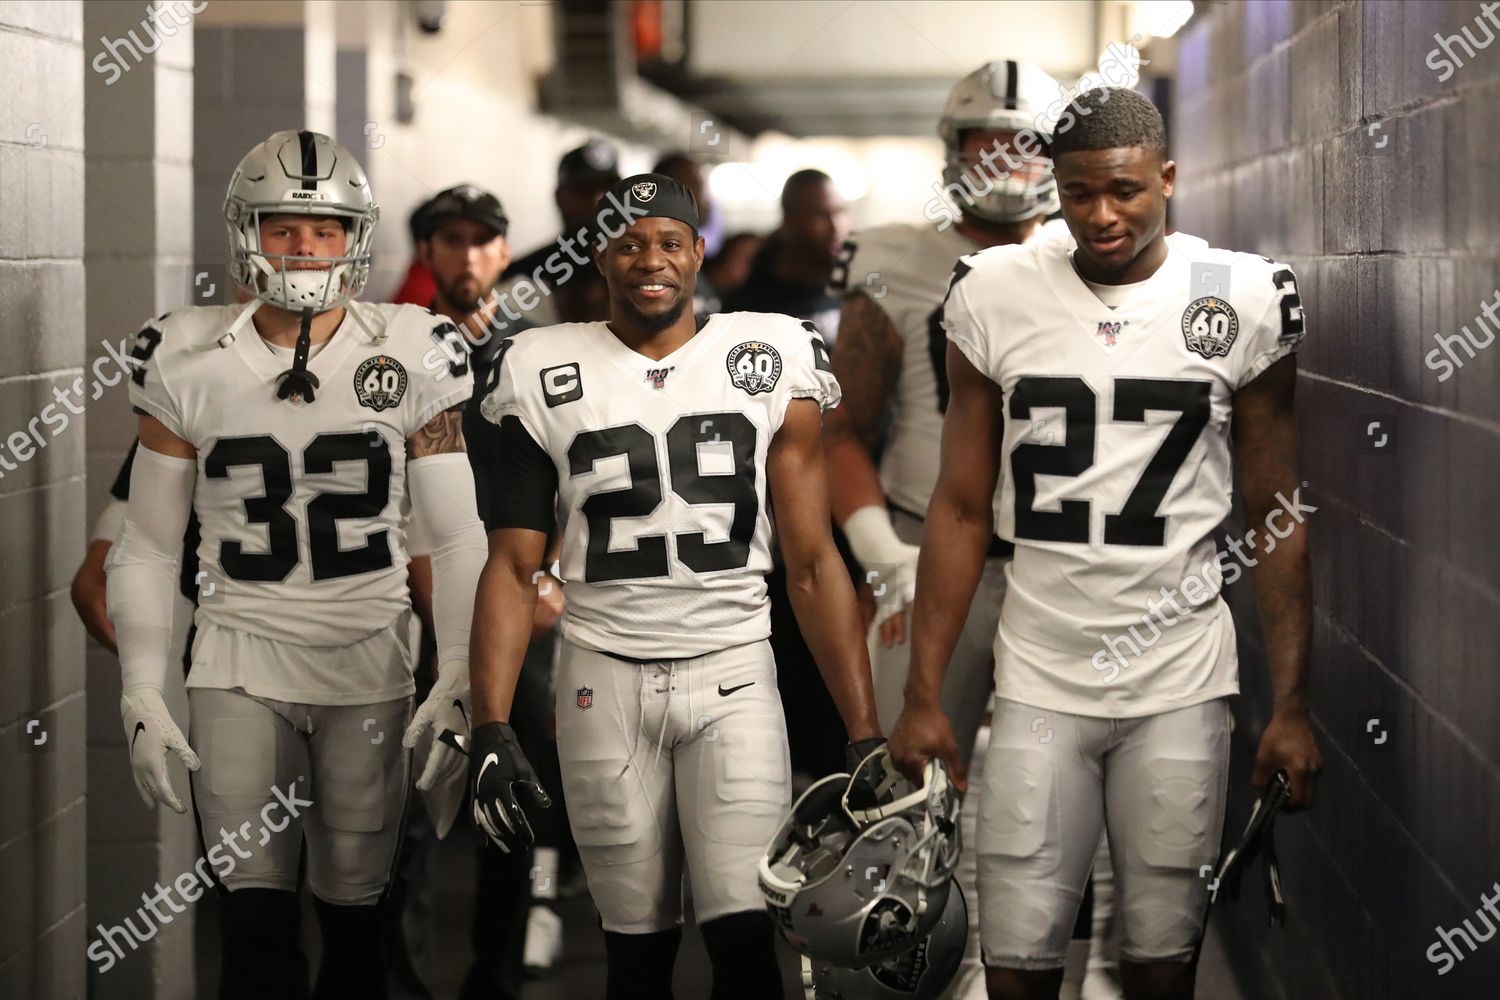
(491, 759)
(738, 687)
(140, 727)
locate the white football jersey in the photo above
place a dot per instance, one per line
(661, 468)
(1116, 468)
(301, 503)
(905, 269)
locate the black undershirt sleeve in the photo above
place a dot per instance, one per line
(525, 495)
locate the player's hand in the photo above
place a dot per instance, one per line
(150, 733)
(496, 768)
(446, 708)
(549, 605)
(1288, 745)
(923, 733)
(894, 589)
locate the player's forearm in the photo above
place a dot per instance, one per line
(1283, 590)
(853, 480)
(501, 632)
(141, 584)
(955, 539)
(822, 597)
(443, 504)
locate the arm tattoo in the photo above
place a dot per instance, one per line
(867, 363)
(442, 434)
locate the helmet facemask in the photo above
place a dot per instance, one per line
(285, 280)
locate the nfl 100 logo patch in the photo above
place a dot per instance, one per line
(1109, 331)
(585, 697)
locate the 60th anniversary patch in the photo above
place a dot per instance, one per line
(380, 382)
(754, 366)
(1209, 326)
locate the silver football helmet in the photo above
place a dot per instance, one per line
(1009, 95)
(923, 972)
(304, 173)
(862, 868)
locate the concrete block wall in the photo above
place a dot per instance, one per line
(42, 701)
(1327, 135)
(139, 140)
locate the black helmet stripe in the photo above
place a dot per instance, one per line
(1012, 71)
(309, 160)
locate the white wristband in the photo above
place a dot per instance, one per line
(873, 538)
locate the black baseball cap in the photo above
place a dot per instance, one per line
(465, 201)
(593, 163)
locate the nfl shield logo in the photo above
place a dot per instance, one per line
(585, 697)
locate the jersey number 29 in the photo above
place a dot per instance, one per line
(645, 493)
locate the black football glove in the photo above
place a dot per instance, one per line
(496, 767)
(856, 752)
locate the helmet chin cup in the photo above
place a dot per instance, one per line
(296, 290)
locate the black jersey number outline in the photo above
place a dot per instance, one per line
(1137, 523)
(324, 511)
(649, 558)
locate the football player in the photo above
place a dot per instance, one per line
(889, 359)
(664, 442)
(1109, 379)
(294, 427)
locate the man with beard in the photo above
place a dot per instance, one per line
(654, 443)
(463, 243)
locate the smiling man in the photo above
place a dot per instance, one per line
(1109, 382)
(657, 444)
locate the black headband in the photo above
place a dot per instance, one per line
(645, 195)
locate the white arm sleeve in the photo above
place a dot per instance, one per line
(444, 509)
(111, 522)
(142, 567)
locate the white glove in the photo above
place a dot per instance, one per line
(150, 733)
(890, 564)
(446, 707)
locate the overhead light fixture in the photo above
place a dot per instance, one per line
(1159, 18)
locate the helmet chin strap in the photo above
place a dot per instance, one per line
(297, 380)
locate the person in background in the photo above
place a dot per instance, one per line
(463, 243)
(686, 170)
(417, 287)
(791, 273)
(573, 290)
(731, 267)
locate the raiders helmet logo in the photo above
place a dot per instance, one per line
(1210, 326)
(754, 366)
(380, 382)
(644, 191)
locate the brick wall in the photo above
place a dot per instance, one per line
(42, 822)
(1319, 133)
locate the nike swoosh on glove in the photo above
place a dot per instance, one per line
(446, 708)
(496, 768)
(150, 733)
